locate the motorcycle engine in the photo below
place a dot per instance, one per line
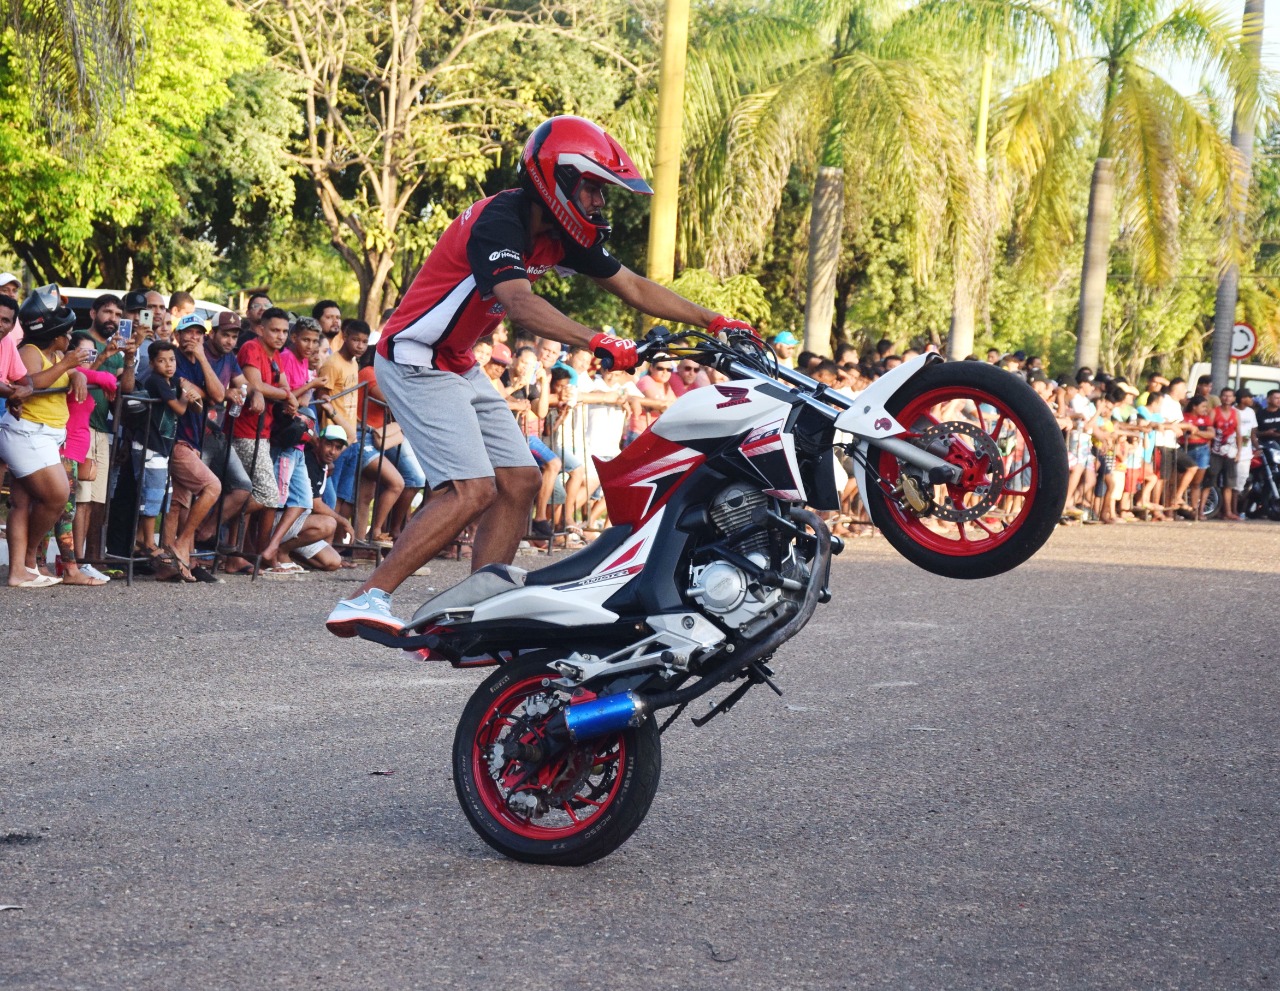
(721, 587)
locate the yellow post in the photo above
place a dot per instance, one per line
(666, 159)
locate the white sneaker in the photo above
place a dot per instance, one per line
(372, 608)
(92, 572)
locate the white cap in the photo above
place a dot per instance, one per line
(7, 277)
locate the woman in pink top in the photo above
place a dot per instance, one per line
(658, 395)
(74, 451)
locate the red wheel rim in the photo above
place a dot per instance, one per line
(1018, 473)
(600, 764)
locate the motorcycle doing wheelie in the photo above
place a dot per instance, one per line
(713, 562)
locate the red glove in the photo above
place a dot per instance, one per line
(614, 352)
(725, 328)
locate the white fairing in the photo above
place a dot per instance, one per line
(720, 410)
(546, 603)
(579, 602)
(868, 418)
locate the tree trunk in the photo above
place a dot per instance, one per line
(1097, 251)
(666, 159)
(374, 286)
(826, 226)
(960, 339)
(1242, 131)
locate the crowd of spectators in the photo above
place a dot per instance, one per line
(264, 443)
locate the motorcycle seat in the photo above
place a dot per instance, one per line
(491, 580)
(582, 562)
(496, 579)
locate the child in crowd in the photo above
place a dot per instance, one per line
(75, 455)
(170, 396)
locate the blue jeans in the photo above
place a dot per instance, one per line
(358, 456)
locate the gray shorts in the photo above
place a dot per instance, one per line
(458, 425)
(1226, 465)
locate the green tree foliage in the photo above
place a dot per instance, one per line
(1148, 140)
(79, 59)
(126, 202)
(1260, 283)
(408, 105)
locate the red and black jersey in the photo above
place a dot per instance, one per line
(451, 305)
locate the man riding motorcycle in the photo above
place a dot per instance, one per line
(475, 458)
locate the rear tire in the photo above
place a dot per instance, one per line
(611, 780)
(1212, 502)
(1022, 463)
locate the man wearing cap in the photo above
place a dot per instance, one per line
(91, 496)
(785, 345)
(497, 364)
(313, 544)
(195, 488)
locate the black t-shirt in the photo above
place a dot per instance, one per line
(164, 421)
(315, 471)
(1268, 419)
(531, 392)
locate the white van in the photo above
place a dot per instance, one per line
(81, 300)
(1258, 379)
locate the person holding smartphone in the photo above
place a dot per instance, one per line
(116, 358)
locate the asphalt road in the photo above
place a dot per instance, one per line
(1066, 777)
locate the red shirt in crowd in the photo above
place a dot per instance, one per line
(1200, 423)
(254, 355)
(1226, 424)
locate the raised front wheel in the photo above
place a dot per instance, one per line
(536, 801)
(1012, 481)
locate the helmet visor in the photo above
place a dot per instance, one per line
(50, 297)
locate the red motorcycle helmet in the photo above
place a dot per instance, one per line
(563, 153)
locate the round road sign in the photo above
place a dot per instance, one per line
(1244, 341)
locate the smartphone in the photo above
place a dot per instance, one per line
(124, 330)
(144, 319)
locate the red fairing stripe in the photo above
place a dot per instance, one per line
(640, 480)
(762, 445)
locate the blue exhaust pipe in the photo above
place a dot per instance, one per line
(601, 716)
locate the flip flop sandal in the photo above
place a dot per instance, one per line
(168, 559)
(39, 581)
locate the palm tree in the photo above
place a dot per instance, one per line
(1009, 31)
(1151, 141)
(80, 57)
(826, 85)
(1242, 133)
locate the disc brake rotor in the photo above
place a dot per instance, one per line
(545, 782)
(981, 466)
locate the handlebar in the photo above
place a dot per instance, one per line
(740, 360)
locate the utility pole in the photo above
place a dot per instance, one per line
(666, 159)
